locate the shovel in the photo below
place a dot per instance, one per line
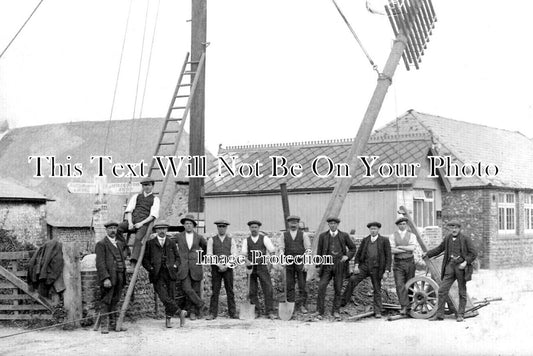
(247, 309)
(286, 308)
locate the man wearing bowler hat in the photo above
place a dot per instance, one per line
(372, 259)
(257, 268)
(142, 208)
(111, 270)
(459, 253)
(295, 243)
(223, 246)
(161, 260)
(333, 243)
(403, 243)
(191, 246)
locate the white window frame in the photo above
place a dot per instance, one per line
(528, 213)
(421, 200)
(506, 213)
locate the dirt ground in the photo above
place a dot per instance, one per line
(502, 328)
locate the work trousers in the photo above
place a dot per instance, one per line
(191, 288)
(111, 296)
(260, 272)
(136, 242)
(164, 286)
(216, 283)
(355, 279)
(404, 270)
(452, 272)
(335, 271)
(295, 273)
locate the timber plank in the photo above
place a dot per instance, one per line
(19, 283)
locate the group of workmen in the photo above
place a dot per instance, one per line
(169, 259)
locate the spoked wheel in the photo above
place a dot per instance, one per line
(423, 297)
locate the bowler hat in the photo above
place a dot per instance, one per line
(454, 223)
(222, 222)
(374, 223)
(254, 222)
(161, 224)
(333, 218)
(110, 223)
(401, 220)
(188, 217)
(293, 217)
(147, 180)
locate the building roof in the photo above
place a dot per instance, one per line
(465, 142)
(9, 190)
(409, 148)
(408, 139)
(79, 141)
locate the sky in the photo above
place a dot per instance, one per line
(277, 70)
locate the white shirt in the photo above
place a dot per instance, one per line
(154, 210)
(333, 233)
(112, 240)
(161, 240)
(412, 239)
(189, 236)
(222, 238)
(307, 241)
(266, 240)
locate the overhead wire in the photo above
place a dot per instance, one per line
(22, 27)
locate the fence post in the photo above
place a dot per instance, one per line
(72, 278)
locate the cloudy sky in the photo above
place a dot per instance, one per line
(277, 70)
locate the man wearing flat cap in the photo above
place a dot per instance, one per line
(161, 260)
(111, 270)
(295, 243)
(403, 243)
(261, 245)
(459, 253)
(333, 243)
(142, 208)
(191, 245)
(222, 245)
(372, 259)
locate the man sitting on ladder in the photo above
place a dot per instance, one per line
(142, 208)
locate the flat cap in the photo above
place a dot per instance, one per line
(222, 222)
(333, 218)
(110, 223)
(374, 223)
(147, 180)
(293, 217)
(188, 217)
(401, 220)
(161, 223)
(454, 223)
(254, 222)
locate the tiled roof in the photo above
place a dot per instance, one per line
(10, 190)
(409, 149)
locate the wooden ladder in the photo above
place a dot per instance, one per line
(167, 145)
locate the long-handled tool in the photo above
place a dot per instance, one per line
(285, 309)
(247, 309)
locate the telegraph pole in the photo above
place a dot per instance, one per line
(197, 114)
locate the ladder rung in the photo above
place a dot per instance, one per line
(194, 62)
(170, 131)
(188, 73)
(185, 85)
(178, 107)
(174, 119)
(182, 96)
(166, 143)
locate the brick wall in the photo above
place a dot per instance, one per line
(82, 236)
(25, 220)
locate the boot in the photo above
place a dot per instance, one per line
(183, 314)
(104, 324)
(167, 322)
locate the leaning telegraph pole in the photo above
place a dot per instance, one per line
(197, 115)
(412, 22)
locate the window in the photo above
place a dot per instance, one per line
(506, 212)
(528, 212)
(423, 208)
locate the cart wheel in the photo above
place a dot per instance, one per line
(423, 293)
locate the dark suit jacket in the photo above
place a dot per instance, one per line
(189, 258)
(154, 254)
(468, 253)
(384, 253)
(106, 266)
(345, 240)
(46, 264)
